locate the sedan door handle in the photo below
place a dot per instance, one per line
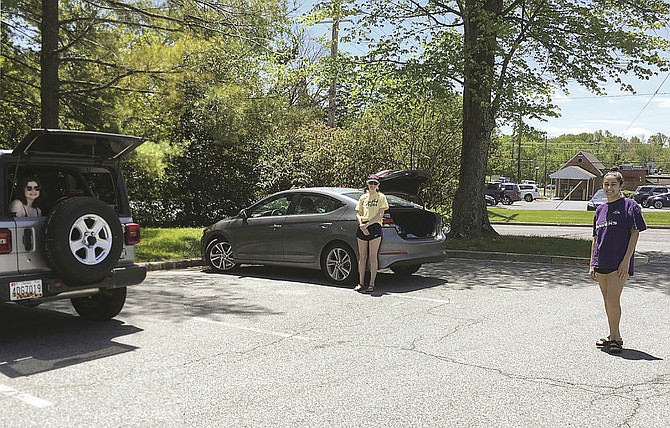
(325, 225)
(276, 226)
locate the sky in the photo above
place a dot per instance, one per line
(643, 114)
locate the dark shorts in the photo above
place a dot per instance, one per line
(375, 230)
(605, 271)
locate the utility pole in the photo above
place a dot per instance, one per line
(518, 158)
(332, 93)
(545, 165)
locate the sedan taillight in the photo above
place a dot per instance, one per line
(132, 233)
(387, 221)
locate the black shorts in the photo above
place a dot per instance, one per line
(375, 230)
(605, 271)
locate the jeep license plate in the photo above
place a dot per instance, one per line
(23, 290)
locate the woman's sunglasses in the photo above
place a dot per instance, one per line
(31, 188)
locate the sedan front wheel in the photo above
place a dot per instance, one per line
(339, 264)
(219, 255)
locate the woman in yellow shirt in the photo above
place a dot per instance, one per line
(369, 212)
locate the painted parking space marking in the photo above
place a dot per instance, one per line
(255, 330)
(425, 299)
(22, 396)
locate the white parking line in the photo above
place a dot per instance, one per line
(403, 296)
(26, 398)
(255, 330)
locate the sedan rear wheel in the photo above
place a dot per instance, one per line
(406, 270)
(658, 204)
(339, 264)
(219, 255)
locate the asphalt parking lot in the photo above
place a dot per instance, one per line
(462, 343)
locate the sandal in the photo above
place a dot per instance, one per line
(606, 342)
(615, 346)
(603, 342)
(358, 287)
(371, 288)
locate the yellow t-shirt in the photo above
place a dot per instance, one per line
(369, 205)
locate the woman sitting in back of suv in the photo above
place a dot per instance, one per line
(28, 193)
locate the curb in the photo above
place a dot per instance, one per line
(512, 223)
(172, 264)
(517, 257)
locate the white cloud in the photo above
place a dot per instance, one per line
(661, 102)
(641, 133)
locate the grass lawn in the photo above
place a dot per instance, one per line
(543, 245)
(659, 218)
(168, 244)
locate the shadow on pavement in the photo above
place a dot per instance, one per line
(653, 275)
(41, 340)
(386, 280)
(633, 354)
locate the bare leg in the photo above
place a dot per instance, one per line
(362, 260)
(611, 287)
(374, 263)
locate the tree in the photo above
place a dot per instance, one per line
(508, 56)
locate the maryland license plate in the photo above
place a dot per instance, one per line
(23, 290)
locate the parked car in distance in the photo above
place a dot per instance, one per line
(512, 193)
(659, 201)
(82, 247)
(529, 192)
(490, 200)
(496, 190)
(315, 228)
(596, 200)
(643, 192)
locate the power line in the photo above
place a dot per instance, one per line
(645, 106)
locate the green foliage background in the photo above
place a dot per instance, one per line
(232, 101)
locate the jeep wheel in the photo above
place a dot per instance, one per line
(102, 306)
(83, 240)
(528, 197)
(507, 200)
(339, 263)
(658, 205)
(219, 255)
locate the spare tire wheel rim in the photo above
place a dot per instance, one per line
(90, 239)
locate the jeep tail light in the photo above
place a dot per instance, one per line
(5, 241)
(132, 233)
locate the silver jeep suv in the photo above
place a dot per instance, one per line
(82, 246)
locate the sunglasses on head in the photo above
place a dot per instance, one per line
(35, 188)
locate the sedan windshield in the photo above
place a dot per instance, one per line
(394, 201)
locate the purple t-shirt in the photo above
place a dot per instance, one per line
(612, 224)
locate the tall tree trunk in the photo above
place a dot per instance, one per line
(469, 218)
(49, 64)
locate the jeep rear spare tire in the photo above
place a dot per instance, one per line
(83, 240)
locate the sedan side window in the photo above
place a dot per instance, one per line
(272, 207)
(316, 204)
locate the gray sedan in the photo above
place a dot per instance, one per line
(315, 228)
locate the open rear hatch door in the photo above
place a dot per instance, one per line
(403, 183)
(96, 146)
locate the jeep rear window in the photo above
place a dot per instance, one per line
(101, 183)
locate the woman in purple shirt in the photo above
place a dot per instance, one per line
(616, 228)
